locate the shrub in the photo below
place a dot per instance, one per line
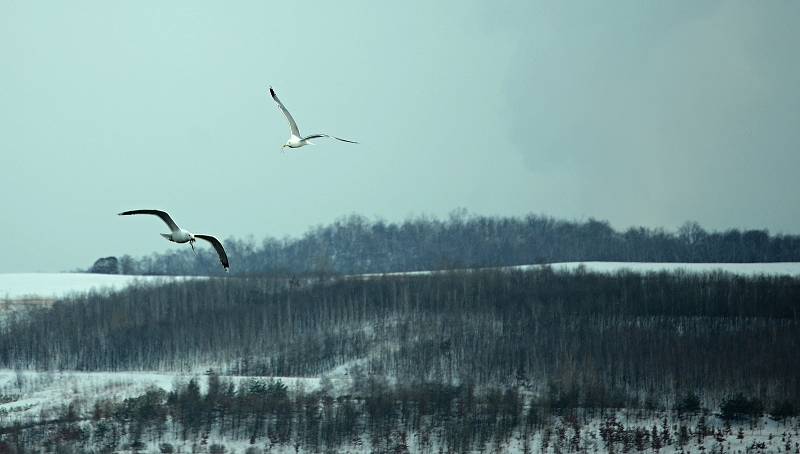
(739, 407)
(689, 404)
(783, 410)
(217, 449)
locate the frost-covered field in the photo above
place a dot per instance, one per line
(43, 286)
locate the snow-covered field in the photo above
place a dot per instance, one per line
(742, 269)
(15, 286)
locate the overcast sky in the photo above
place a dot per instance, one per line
(640, 113)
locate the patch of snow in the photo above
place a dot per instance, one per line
(15, 286)
(742, 269)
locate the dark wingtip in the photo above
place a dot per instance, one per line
(271, 92)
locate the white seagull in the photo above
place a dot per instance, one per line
(178, 235)
(295, 139)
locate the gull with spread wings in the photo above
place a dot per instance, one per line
(178, 235)
(295, 139)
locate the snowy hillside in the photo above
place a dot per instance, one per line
(36, 392)
(743, 269)
(43, 407)
(57, 285)
(468, 362)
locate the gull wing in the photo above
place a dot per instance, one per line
(292, 125)
(317, 136)
(223, 257)
(162, 214)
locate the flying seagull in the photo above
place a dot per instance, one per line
(178, 235)
(295, 139)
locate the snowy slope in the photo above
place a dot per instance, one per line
(30, 397)
(33, 393)
(56, 285)
(743, 269)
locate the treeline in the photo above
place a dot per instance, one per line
(587, 338)
(373, 416)
(379, 418)
(356, 245)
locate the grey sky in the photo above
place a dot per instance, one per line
(642, 113)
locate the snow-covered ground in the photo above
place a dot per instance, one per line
(14, 286)
(30, 394)
(29, 397)
(743, 269)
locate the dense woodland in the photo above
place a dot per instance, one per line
(592, 339)
(356, 245)
(484, 360)
(535, 361)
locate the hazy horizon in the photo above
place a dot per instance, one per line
(644, 114)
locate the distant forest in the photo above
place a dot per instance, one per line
(584, 339)
(355, 245)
